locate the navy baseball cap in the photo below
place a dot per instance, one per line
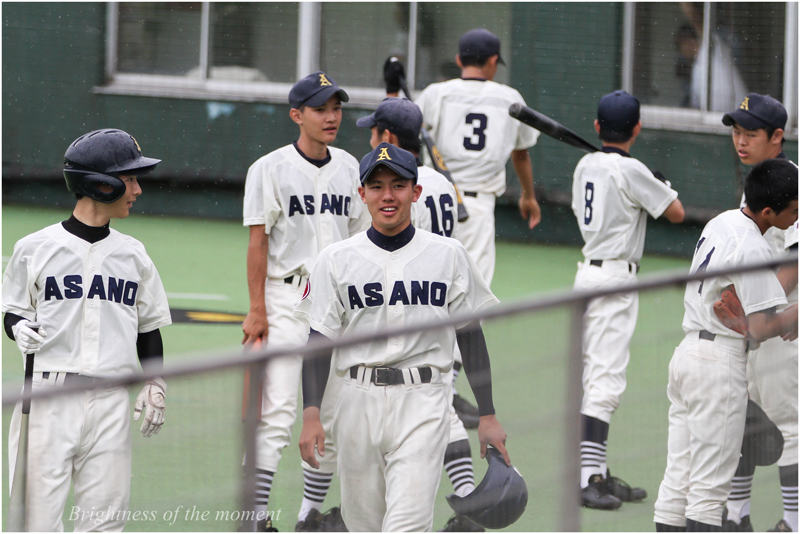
(480, 43)
(314, 90)
(398, 160)
(400, 116)
(757, 111)
(618, 112)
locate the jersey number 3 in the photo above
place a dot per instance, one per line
(478, 140)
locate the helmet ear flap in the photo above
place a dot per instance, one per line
(87, 183)
(500, 498)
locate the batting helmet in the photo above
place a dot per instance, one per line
(98, 158)
(763, 441)
(499, 499)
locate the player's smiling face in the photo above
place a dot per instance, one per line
(753, 146)
(389, 198)
(320, 124)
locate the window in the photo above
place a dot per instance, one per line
(245, 50)
(750, 50)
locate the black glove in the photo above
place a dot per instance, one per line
(393, 70)
(660, 176)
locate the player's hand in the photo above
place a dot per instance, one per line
(791, 334)
(151, 401)
(530, 210)
(491, 433)
(393, 70)
(255, 326)
(29, 341)
(312, 437)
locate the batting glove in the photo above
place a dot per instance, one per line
(28, 340)
(151, 401)
(393, 70)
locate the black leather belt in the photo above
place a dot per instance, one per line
(73, 378)
(708, 336)
(472, 194)
(599, 263)
(386, 376)
(289, 279)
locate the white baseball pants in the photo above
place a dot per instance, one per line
(609, 323)
(391, 442)
(477, 233)
(82, 438)
(708, 394)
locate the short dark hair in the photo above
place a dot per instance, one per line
(771, 184)
(610, 136)
(770, 131)
(473, 61)
(406, 143)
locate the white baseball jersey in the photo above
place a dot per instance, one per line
(475, 134)
(730, 239)
(356, 286)
(611, 197)
(437, 208)
(93, 299)
(791, 241)
(304, 207)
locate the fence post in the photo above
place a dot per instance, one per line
(255, 385)
(570, 503)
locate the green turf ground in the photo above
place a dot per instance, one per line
(195, 460)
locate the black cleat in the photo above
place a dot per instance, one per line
(262, 525)
(466, 412)
(332, 521)
(596, 496)
(782, 526)
(459, 523)
(312, 522)
(729, 525)
(622, 490)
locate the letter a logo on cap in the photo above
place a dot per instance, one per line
(384, 155)
(745, 104)
(323, 81)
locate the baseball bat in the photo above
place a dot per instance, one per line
(17, 506)
(548, 126)
(436, 157)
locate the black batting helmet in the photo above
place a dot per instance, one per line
(763, 441)
(499, 499)
(98, 158)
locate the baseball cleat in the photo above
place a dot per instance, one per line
(466, 412)
(332, 521)
(729, 525)
(782, 526)
(596, 496)
(459, 523)
(622, 490)
(312, 522)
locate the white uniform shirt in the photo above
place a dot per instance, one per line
(470, 123)
(303, 207)
(791, 241)
(730, 239)
(358, 287)
(92, 299)
(611, 197)
(437, 208)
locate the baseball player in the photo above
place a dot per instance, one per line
(707, 374)
(757, 128)
(298, 199)
(391, 423)
(612, 195)
(100, 303)
(397, 121)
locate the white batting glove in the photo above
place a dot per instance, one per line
(151, 401)
(28, 340)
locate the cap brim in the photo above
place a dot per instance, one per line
(743, 119)
(140, 167)
(401, 171)
(323, 96)
(500, 59)
(367, 122)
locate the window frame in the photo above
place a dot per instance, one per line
(204, 88)
(699, 120)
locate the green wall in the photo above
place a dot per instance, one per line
(565, 57)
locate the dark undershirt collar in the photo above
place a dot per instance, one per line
(615, 150)
(315, 162)
(92, 234)
(391, 243)
(475, 79)
(781, 156)
(754, 222)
